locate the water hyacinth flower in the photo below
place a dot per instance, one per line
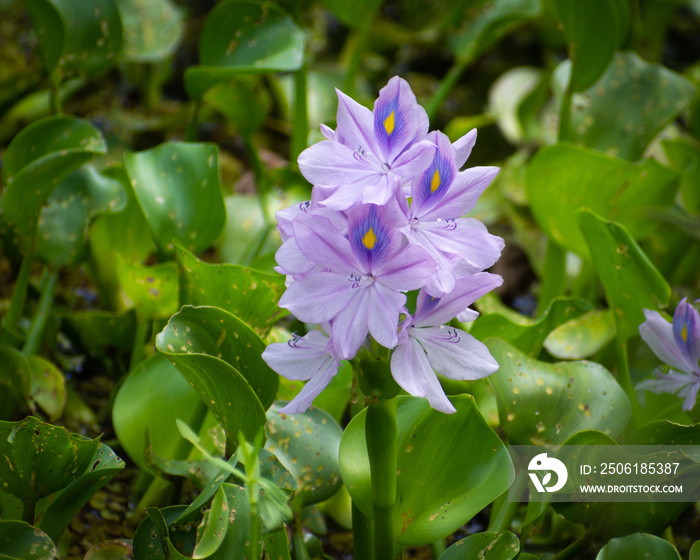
(369, 150)
(427, 344)
(678, 345)
(384, 219)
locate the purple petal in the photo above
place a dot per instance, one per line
(412, 372)
(292, 260)
(317, 297)
(373, 232)
(686, 331)
(321, 243)
(685, 385)
(455, 353)
(312, 389)
(408, 269)
(355, 124)
(461, 197)
(435, 181)
(398, 119)
(432, 312)
(383, 314)
(349, 328)
(414, 160)
(331, 164)
(299, 358)
(463, 147)
(657, 332)
(463, 238)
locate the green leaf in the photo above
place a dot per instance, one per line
(21, 541)
(582, 336)
(353, 14)
(307, 445)
(631, 281)
(215, 524)
(102, 467)
(156, 534)
(684, 156)
(69, 210)
(40, 459)
(221, 358)
(525, 334)
(242, 37)
(177, 186)
(543, 402)
(249, 294)
(638, 545)
(152, 290)
(36, 161)
(665, 432)
(243, 101)
(76, 36)
(152, 29)
(238, 535)
(695, 551)
(490, 23)
(594, 30)
(136, 410)
(14, 380)
(100, 329)
(563, 178)
(117, 549)
(488, 545)
(469, 467)
(198, 473)
(628, 106)
(47, 388)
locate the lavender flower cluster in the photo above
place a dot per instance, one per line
(385, 219)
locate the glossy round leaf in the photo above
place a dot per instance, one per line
(102, 467)
(523, 333)
(77, 36)
(152, 397)
(594, 30)
(69, 210)
(220, 356)
(638, 545)
(100, 329)
(628, 106)
(684, 156)
(244, 37)
(353, 14)
(469, 467)
(177, 186)
(539, 402)
(632, 283)
(47, 388)
(493, 21)
(244, 103)
(562, 178)
(117, 549)
(152, 290)
(37, 160)
(488, 545)
(695, 551)
(582, 336)
(152, 29)
(250, 295)
(307, 445)
(40, 459)
(21, 541)
(14, 380)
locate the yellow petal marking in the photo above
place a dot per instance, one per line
(369, 239)
(389, 123)
(435, 181)
(684, 333)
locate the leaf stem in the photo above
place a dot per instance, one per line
(48, 288)
(300, 124)
(381, 434)
(446, 85)
(142, 325)
(361, 534)
(299, 550)
(553, 275)
(623, 377)
(437, 548)
(191, 133)
(19, 293)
